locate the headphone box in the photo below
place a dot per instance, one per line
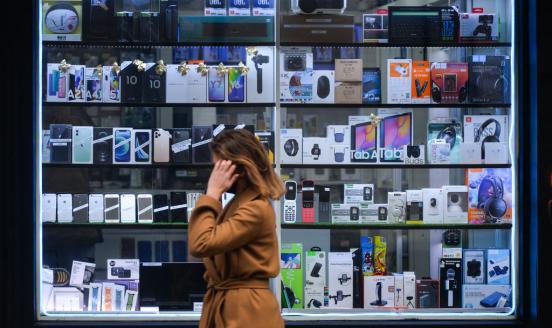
(323, 87)
(489, 195)
(62, 20)
(409, 292)
(373, 213)
(414, 206)
(340, 154)
(291, 147)
(340, 280)
(291, 270)
(427, 293)
(260, 77)
(433, 205)
(478, 27)
(315, 279)
(449, 83)
(486, 128)
(239, 8)
(421, 82)
(455, 204)
(470, 153)
(358, 193)
(486, 296)
(316, 151)
(345, 213)
(399, 81)
(396, 201)
(498, 267)
(451, 283)
(215, 8)
(489, 79)
(379, 292)
(475, 266)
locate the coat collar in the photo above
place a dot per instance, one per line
(246, 192)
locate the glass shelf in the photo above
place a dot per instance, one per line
(389, 226)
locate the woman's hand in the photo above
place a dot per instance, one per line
(221, 179)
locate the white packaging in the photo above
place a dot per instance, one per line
(485, 296)
(93, 84)
(358, 193)
(57, 83)
(81, 273)
(95, 297)
(215, 7)
(455, 201)
(296, 86)
(345, 213)
(177, 83)
(123, 269)
(338, 134)
(379, 292)
(340, 276)
(488, 128)
(111, 85)
(316, 151)
(470, 152)
(373, 213)
(76, 88)
(131, 299)
(263, 7)
(49, 203)
(261, 69)
(323, 87)
(433, 205)
(496, 153)
(399, 81)
(474, 266)
(478, 27)
(108, 294)
(128, 208)
(439, 152)
(409, 290)
(399, 290)
(340, 154)
(291, 147)
(396, 201)
(196, 87)
(64, 208)
(96, 208)
(414, 206)
(315, 279)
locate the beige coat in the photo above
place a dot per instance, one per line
(240, 251)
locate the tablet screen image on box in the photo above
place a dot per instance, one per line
(364, 142)
(396, 132)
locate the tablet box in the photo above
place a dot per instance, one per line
(373, 213)
(475, 266)
(427, 293)
(433, 205)
(345, 213)
(316, 151)
(348, 70)
(397, 206)
(379, 292)
(478, 27)
(291, 147)
(123, 269)
(451, 283)
(291, 270)
(409, 289)
(455, 204)
(498, 267)
(315, 278)
(399, 81)
(323, 87)
(340, 280)
(421, 82)
(414, 206)
(485, 296)
(260, 77)
(348, 93)
(358, 193)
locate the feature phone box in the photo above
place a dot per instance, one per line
(290, 202)
(308, 201)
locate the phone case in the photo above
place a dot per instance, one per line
(102, 146)
(122, 144)
(179, 210)
(161, 143)
(96, 208)
(65, 208)
(142, 146)
(49, 207)
(111, 85)
(111, 208)
(82, 145)
(154, 84)
(60, 143)
(236, 85)
(145, 208)
(216, 86)
(201, 137)
(76, 88)
(128, 208)
(80, 208)
(181, 146)
(160, 208)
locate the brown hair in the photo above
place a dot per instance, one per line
(250, 157)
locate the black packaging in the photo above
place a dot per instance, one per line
(451, 283)
(181, 150)
(60, 143)
(124, 26)
(160, 208)
(201, 137)
(103, 146)
(358, 279)
(427, 293)
(168, 22)
(132, 80)
(178, 208)
(80, 208)
(98, 19)
(154, 84)
(149, 26)
(489, 79)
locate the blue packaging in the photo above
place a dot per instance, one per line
(263, 7)
(498, 267)
(371, 86)
(215, 8)
(367, 248)
(239, 8)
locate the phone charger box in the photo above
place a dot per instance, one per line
(496, 153)
(57, 83)
(348, 93)
(414, 206)
(455, 201)
(358, 193)
(399, 81)
(478, 27)
(399, 290)
(470, 152)
(409, 289)
(340, 276)
(338, 134)
(263, 7)
(427, 294)
(475, 269)
(340, 154)
(373, 213)
(486, 296)
(345, 213)
(291, 271)
(348, 70)
(498, 267)
(421, 82)
(396, 201)
(433, 205)
(76, 89)
(439, 151)
(451, 283)
(260, 77)
(316, 151)
(111, 84)
(215, 7)
(123, 269)
(93, 84)
(323, 87)
(379, 292)
(449, 83)
(315, 279)
(49, 202)
(296, 86)
(291, 146)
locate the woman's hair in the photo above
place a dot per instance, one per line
(250, 157)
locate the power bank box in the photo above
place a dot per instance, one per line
(345, 213)
(111, 84)
(263, 7)
(498, 267)
(375, 28)
(102, 146)
(399, 81)
(348, 93)
(399, 290)
(296, 86)
(427, 294)
(486, 296)
(260, 77)
(451, 283)
(315, 279)
(80, 208)
(449, 83)
(455, 201)
(64, 208)
(215, 8)
(478, 27)
(201, 137)
(57, 83)
(371, 86)
(348, 70)
(409, 289)
(489, 79)
(421, 82)
(76, 87)
(373, 213)
(96, 208)
(358, 193)
(291, 270)
(123, 269)
(367, 248)
(489, 195)
(82, 152)
(60, 143)
(323, 87)
(433, 205)
(93, 84)
(379, 292)
(396, 206)
(475, 268)
(414, 206)
(62, 21)
(340, 280)
(239, 8)
(49, 202)
(316, 151)
(291, 147)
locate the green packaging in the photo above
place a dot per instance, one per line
(291, 269)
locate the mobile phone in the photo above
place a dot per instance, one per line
(179, 210)
(111, 208)
(181, 146)
(111, 86)
(308, 201)
(290, 202)
(102, 149)
(60, 143)
(160, 208)
(53, 80)
(354, 213)
(236, 85)
(93, 81)
(145, 208)
(216, 86)
(82, 144)
(49, 207)
(95, 208)
(80, 208)
(324, 210)
(142, 146)
(161, 142)
(122, 145)
(65, 208)
(128, 208)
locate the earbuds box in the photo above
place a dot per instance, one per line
(489, 195)
(421, 82)
(455, 204)
(498, 267)
(291, 270)
(396, 201)
(323, 87)
(316, 151)
(433, 205)
(260, 77)
(478, 27)
(486, 296)
(449, 131)
(315, 279)
(291, 147)
(451, 283)
(475, 267)
(379, 292)
(340, 280)
(449, 83)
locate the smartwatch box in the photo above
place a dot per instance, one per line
(427, 293)
(375, 28)
(358, 193)
(317, 28)
(478, 27)
(421, 82)
(338, 134)
(433, 205)
(399, 81)
(263, 7)
(49, 207)
(260, 77)
(340, 280)
(489, 79)
(486, 296)
(498, 267)
(239, 8)
(409, 289)
(123, 269)
(76, 89)
(396, 201)
(414, 206)
(291, 147)
(340, 154)
(64, 208)
(373, 213)
(451, 283)
(348, 70)
(315, 279)
(57, 83)
(399, 290)
(62, 20)
(475, 268)
(111, 84)
(348, 93)
(215, 8)
(449, 83)
(379, 292)
(201, 137)
(316, 151)
(93, 84)
(291, 271)
(455, 204)
(323, 87)
(345, 213)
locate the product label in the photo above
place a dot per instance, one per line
(263, 7)
(215, 7)
(239, 8)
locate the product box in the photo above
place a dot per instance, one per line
(452, 244)
(348, 93)
(470, 152)
(367, 248)
(348, 70)
(475, 268)
(236, 85)
(123, 269)
(364, 140)
(379, 292)
(330, 28)
(111, 84)
(375, 28)
(122, 145)
(427, 293)
(215, 7)
(449, 83)
(95, 297)
(421, 82)
(498, 267)
(60, 143)
(489, 79)
(396, 206)
(132, 81)
(267, 140)
(478, 27)
(358, 278)
(338, 134)
(102, 146)
(181, 145)
(196, 88)
(201, 137)
(239, 8)
(64, 208)
(76, 87)
(177, 83)
(414, 206)
(409, 289)
(260, 77)
(399, 290)
(57, 83)
(399, 81)
(489, 195)
(373, 213)
(451, 283)
(433, 205)
(263, 7)
(371, 86)
(455, 201)
(340, 154)
(80, 208)
(380, 256)
(62, 20)
(438, 151)
(488, 130)
(46, 146)
(82, 152)
(340, 280)
(128, 208)
(82, 273)
(316, 151)
(49, 207)
(486, 296)
(323, 87)
(291, 270)
(291, 147)
(96, 208)
(315, 279)
(358, 193)
(449, 131)
(345, 213)
(296, 87)
(93, 84)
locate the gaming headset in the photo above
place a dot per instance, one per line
(492, 201)
(490, 138)
(291, 147)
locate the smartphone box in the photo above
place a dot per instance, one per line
(323, 87)
(239, 8)
(236, 85)
(111, 84)
(60, 143)
(215, 8)
(348, 70)
(348, 93)
(82, 152)
(64, 208)
(112, 211)
(421, 82)
(96, 208)
(340, 280)
(132, 82)
(455, 201)
(62, 23)
(80, 208)
(433, 205)
(177, 84)
(263, 7)
(427, 294)
(93, 84)
(296, 86)
(291, 270)
(181, 145)
(201, 137)
(449, 83)
(409, 289)
(315, 279)
(358, 193)
(102, 146)
(291, 147)
(451, 283)
(260, 77)
(489, 195)
(379, 292)
(316, 151)
(486, 296)
(46, 146)
(82, 273)
(161, 208)
(76, 90)
(371, 86)
(399, 81)
(399, 290)
(122, 146)
(128, 208)
(479, 27)
(141, 146)
(123, 269)
(373, 213)
(397, 206)
(266, 138)
(154, 84)
(49, 202)
(475, 266)
(57, 83)
(498, 267)
(196, 87)
(145, 208)
(345, 213)
(340, 154)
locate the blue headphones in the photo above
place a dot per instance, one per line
(490, 198)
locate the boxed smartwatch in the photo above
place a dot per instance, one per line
(76, 87)
(60, 143)
(373, 213)
(358, 193)
(316, 151)
(486, 296)
(291, 147)
(96, 208)
(123, 269)
(345, 213)
(315, 279)
(260, 77)
(399, 81)
(475, 266)
(396, 206)
(80, 208)
(181, 145)
(379, 292)
(498, 267)
(414, 206)
(451, 283)
(455, 209)
(340, 280)
(427, 293)
(111, 84)
(421, 82)
(201, 137)
(93, 84)
(323, 87)
(64, 208)
(449, 83)
(49, 202)
(433, 205)
(479, 27)
(132, 81)
(291, 270)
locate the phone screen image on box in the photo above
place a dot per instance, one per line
(114, 86)
(235, 85)
(141, 144)
(122, 146)
(216, 85)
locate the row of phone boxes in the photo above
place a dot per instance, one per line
(118, 208)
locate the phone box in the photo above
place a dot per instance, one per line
(123, 269)
(260, 77)
(64, 208)
(399, 290)
(82, 152)
(323, 87)
(455, 201)
(291, 270)
(375, 28)
(427, 293)
(338, 134)
(340, 154)
(102, 145)
(122, 145)
(396, 201)
(449, 83)
(196, 87)
(371, 86)
(239, 8)
(46, 146)
(215, 8)
(111, 84)
(181, 145)
(478, 27)
(93, 83)
(399, 81)
(489, 195)
(96, 208)
(141, 146)
(498, 267)
(315, 278)
(345, 213)
(80, 208)
(421, 82)
(348, 70)
(358, 193)
(201, 137)
(296, 86)
(263, 7)
(486, 296)
(61, 20)
(316, 151)
(76, 87)
(177, 83)
(340, 280)
(373, 213)
(367, 248)
(379, 292)
(409, 289)
(128, 208)
(291, 147)
(132, 81)
(267, 140)
(449, 132)
(414, 206)
(235, 85)
(82, 273)
(380, 256)
(475, 268)
(112, 206)
(433, 205)
(49, 202)
(451, 283)
(57, 83)
(348, 93)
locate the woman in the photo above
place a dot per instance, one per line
(238, 242)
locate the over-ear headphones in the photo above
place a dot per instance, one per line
(437, 96)
(490, 198)
(291, 147)
(448, 134)
(491, 84)
(487, 138)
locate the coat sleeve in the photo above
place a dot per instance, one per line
(206, 238)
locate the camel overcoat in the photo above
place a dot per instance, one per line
(240, 251)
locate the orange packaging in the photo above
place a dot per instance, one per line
(421, 82)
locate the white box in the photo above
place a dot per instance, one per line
(196, 87)
(373, 213)
(399, 81)
(296, 86)
(123, 269)
(473, 28)
(81, 273)
(399, 290)
(128, 208)
(433, 205)
(339, 134)
(396, 201)
(95, 297)
(409, 290)
(263, 7)
(261, 69)
(111, 85)
(315, 279)
(340, 154)
(177, 84)
(485, 296)
(379, 292)
(475, 269)
(345, 213)
(496, 153)
(64, 208)
(96, 208)
(76, 88)
(323, 87)
(57, 83)
(291, 146)
(439, 152)
(316, 151)
(487, 129)
(358, 193)
(470, 152)
(93, 84)
(414, 206)
(340, 284)
(108, 294)
(455, 204)
(49, 203)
